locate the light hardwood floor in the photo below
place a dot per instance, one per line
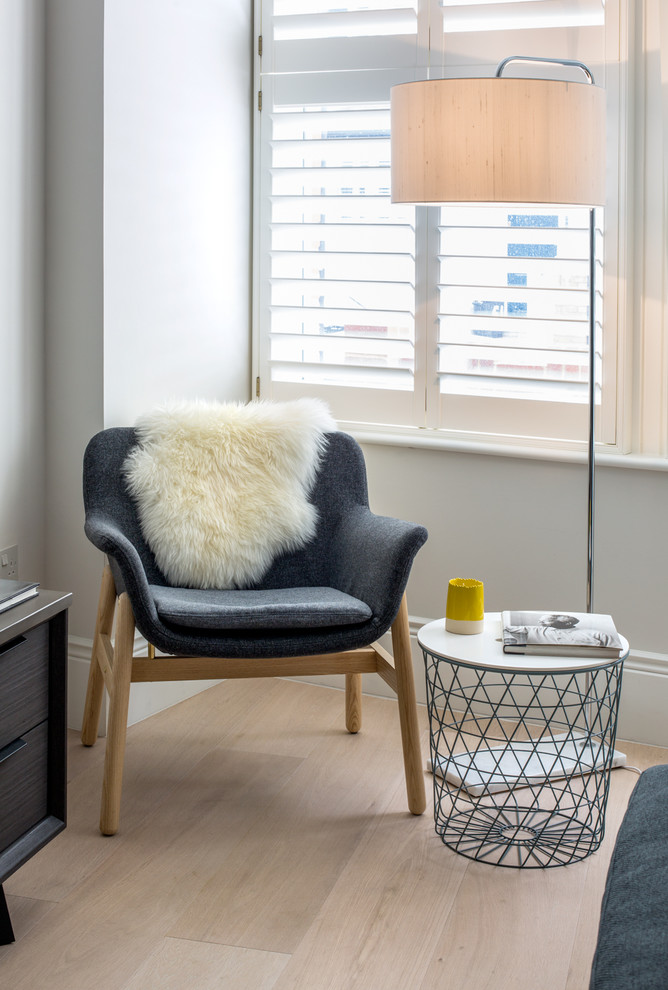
(262, 847)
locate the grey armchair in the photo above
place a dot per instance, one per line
(318, 610)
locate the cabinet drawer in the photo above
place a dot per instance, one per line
(23, 784)
(24, 683)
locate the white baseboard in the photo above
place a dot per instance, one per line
(642, 711)
(644, 702)
(79, 651)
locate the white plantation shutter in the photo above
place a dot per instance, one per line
(514, 15)
(313, 36)
(464, 319)
(338, 260)
(342, 271)
(513, 319)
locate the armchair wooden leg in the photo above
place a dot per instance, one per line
(410, 733)
(118, 718)
(353, 702)
(103, 626)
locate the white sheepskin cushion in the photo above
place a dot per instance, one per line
(222, 489)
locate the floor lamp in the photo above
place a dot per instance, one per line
(507, 140)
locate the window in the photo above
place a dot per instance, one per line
(463, 320)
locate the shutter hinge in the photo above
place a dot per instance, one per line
(259, 100)
(259, 45)
(257, 387)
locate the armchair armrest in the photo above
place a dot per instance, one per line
(370, 557)
(126, 563)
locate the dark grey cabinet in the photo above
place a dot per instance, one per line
(33, 732)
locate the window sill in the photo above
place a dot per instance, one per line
(437, 440)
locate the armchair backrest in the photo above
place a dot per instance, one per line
(340, 487)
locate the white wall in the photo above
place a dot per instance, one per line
(21, 282)
(176, 202)
(73, 313)
(519, 525)
(148, 245)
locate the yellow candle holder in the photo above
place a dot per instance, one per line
(464, 610)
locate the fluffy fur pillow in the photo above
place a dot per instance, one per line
(222, 489)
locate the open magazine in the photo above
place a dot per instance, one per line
(561, 634)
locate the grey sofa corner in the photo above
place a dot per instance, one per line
(632, 947)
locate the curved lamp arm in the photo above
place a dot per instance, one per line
(553, 61)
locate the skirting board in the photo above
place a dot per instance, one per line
(642, 710)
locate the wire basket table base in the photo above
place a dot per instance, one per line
(521, 759)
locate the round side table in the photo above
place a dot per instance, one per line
(521, 747)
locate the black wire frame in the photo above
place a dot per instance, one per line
(521, 760)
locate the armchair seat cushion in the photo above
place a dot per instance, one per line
(272, 608)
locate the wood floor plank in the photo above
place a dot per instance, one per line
(182, 965)
(231, 827)
(25, 913)
(376, 928)
(290, 859)
(285, 721)
(105, 929)
(80, 758)
(161, 752)
(504, 926)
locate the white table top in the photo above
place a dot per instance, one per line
(485, 650)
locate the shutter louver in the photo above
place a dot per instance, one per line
(342, 266)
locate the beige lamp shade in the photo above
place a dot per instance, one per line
(498, 140)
